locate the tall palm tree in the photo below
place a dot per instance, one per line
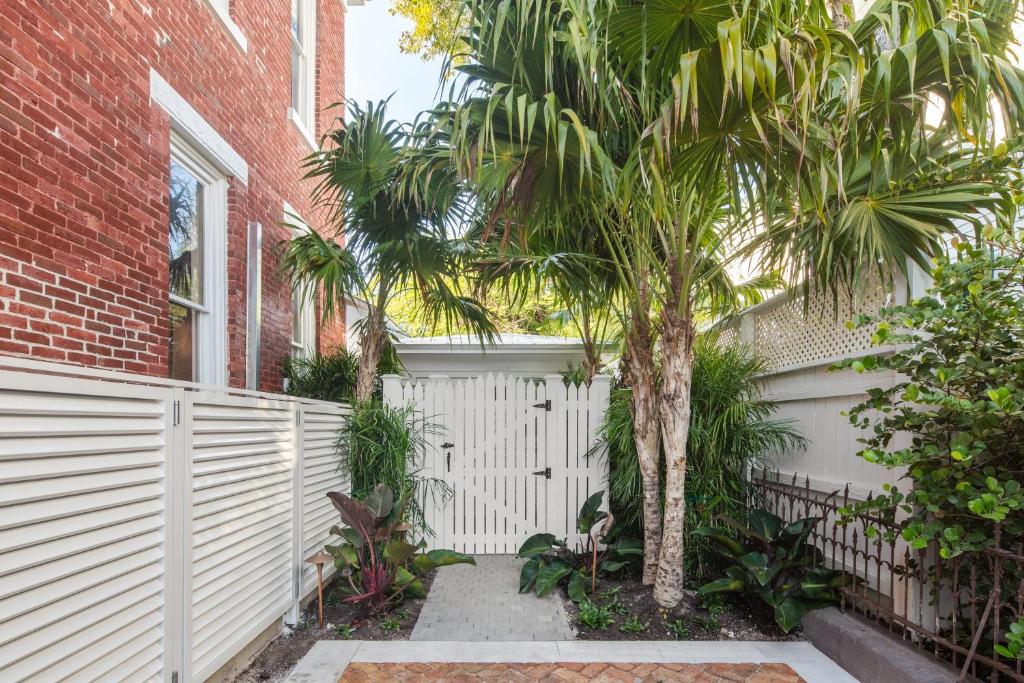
(385, 240)
(705, 128)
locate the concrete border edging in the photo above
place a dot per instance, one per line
(870, 653)
(328, 659)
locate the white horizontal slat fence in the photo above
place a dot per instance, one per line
(149, 530)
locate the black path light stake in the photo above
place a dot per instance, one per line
(319, 560)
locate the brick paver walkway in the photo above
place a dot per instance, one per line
(470, 603)
(358, 672)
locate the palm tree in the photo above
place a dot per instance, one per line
(709, 128)
(385, 241)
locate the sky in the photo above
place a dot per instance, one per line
(375, 68)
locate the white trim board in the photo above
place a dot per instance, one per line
(190, 125)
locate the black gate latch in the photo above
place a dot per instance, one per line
(546, 405)
(546, 473)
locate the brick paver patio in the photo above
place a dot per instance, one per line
(569, 672)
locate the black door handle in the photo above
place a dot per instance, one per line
(447, 444)
(449, 462)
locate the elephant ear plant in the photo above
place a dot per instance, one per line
(550, 561)
(773, 561)
(381, 567)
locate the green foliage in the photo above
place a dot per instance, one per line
(633, 625)
(1014, 648)
(379, 444)
(550, 561)
(345, 631)
(595, 617)
(679, 629)
(959, 354)
(731, 429)
(377, 563)
(575, 375)
(325, 377)
(773, 562)
(389, 624)
(437, 26)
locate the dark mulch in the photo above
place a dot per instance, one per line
(341, 622)
(729, 618)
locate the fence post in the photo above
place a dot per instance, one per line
(298, 476)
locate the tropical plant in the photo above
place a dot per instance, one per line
(332, 376)
(731, 430)
(594, 616)
(959, 354)
(392, 242)
(550, 561)
(633, 625)
(381, 444)
(379, 566)
(773, 561)
(745, 116)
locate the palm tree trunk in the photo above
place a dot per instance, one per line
(643, 406)
(371, 345)
(676, 377)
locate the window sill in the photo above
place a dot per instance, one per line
(294, 117)
(229, 25)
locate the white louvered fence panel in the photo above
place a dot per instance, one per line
(150, 527)
(243, 457)
(321, 472)
(83, 493)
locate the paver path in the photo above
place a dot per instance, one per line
(470, 603)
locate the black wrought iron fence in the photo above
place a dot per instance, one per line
(957, 609)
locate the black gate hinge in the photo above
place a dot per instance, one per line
(546, 405)
(546, 473)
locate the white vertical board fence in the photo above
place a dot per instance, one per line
(150, 530)
(513, 452)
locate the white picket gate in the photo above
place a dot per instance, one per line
(150, 530)
(512, 449)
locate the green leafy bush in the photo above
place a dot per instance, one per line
(379, 567)
(960, 399)
(731, 429)
(378, 444)
(325, 377)
(633, 625)
(594, 616)
(1014, 648)
(550, 561)
(773, 562)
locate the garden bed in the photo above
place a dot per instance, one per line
(341, 622)
(629, 612)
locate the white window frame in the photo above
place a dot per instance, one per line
(306, 346)
(304, 117)
(221, 10)
(211, 315)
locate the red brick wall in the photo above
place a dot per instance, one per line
(84, 160)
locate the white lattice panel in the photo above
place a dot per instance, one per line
(788, 334)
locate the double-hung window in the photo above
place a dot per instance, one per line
(197, 227)
(303, 40)
(303, 337)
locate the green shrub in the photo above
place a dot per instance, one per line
(550, 561)
(960, 398)
(325, 377)
(773, 562)
(731, 429)
(378, 566)
(593, 616)
(378, 444)
(633, 625)
(679, 629)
